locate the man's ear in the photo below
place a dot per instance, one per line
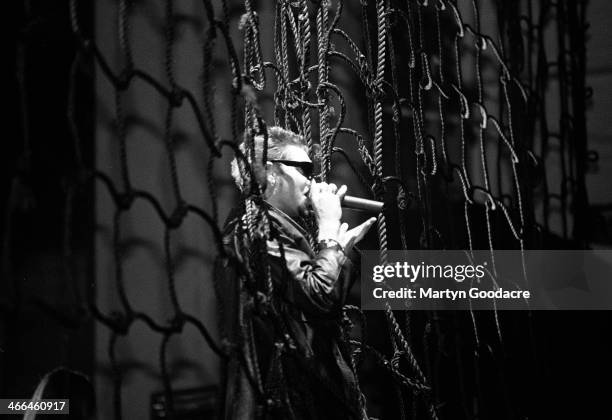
(270, 179)
(269, 169)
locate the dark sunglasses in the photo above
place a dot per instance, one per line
(305, 168)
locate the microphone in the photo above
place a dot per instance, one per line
(361, 204)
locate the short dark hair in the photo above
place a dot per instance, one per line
(278, 140)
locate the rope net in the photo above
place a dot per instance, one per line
(441, 109)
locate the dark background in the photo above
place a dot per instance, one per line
(551, 365)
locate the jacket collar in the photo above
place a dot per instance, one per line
(291, 227)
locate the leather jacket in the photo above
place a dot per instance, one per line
(291, 362)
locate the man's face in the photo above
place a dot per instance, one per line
(291, 192)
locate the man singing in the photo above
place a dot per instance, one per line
(291, 362)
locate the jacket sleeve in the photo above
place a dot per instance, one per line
(316, 285)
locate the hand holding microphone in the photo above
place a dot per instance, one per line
(326, 202)
(351, 202)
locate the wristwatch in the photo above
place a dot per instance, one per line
(330, 243)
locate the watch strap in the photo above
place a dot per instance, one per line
(330, 243)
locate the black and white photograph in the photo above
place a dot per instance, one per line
(307, 210)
